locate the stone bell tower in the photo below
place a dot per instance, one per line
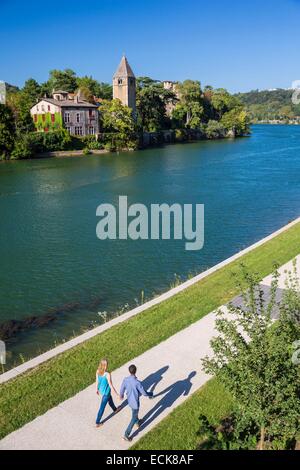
(124, 84)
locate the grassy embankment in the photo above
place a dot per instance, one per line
(33, 393)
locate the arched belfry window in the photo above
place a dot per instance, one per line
(120, 81)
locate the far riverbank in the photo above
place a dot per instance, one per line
(147, 140)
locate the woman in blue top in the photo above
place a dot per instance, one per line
(104, 386)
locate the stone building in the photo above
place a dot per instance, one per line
(124, 85)
(170, 85)
(78, 116)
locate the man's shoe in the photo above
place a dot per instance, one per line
(127, 439)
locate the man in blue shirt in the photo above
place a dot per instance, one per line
(134, 389)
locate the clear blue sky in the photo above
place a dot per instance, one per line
(240, 45)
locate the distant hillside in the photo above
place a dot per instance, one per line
(274, 105)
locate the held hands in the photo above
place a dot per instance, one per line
(118, 395)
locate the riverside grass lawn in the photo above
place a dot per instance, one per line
(179, 430)
(33, 393)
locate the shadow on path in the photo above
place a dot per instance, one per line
(171, 395)
(149, 384)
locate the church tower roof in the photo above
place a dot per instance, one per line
(124, 69)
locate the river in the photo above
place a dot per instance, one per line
(54, 270)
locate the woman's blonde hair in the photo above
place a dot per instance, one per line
(102, 368)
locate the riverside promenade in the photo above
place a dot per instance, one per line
(172, 370)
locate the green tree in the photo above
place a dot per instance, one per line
(21, 102)
(105, 91)
(7, 131)
(31, 92)
(179, 116)
(253, 358)
(215, 130)
(65, 80)
(286, 111)
(23, 147)
(115, 118)
(151, 102)
(223, 102)
(236, 121)
(209, 111)
(94, 88)
(24, 122)
(190, 109)
(13, 102)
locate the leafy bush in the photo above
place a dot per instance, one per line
(109, 146)
(118, 125)
(215, 130)
(116, 141)
(229, 434)
(28, 145)
(92, 143)
(56, 140)
(7, 131)
(253, 357)
(236, 121)
(23, 148)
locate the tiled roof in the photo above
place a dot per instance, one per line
(124, 69)
(70, 103)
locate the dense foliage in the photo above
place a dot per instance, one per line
(117, 125)
(270, 105)
(67, 80)
(7, 131)
(152, 99)
(253, 357)
(216, 113)
(33, 143)
(190, 112)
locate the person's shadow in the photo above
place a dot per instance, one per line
(171, 394)
(149, 384)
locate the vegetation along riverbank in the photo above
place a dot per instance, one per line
(69, 113)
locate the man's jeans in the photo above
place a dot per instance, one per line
(134, 420)
(105, 399)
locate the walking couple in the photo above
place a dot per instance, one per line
(130, 385)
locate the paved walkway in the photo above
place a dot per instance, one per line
(172, 369)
